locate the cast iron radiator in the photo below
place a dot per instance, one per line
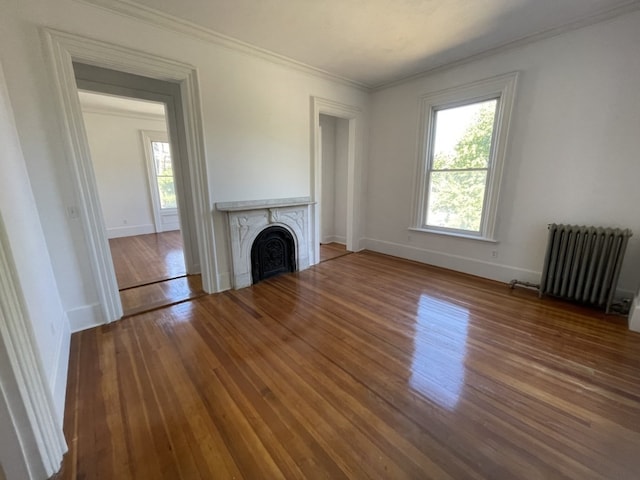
(583, 263)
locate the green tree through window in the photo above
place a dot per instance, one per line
(461, 158)
(164, 174)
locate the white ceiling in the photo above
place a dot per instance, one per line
(375, 42)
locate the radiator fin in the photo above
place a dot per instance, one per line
(583, 263)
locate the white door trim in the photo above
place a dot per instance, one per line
(64, 48)
(354, 168)
(26, 372)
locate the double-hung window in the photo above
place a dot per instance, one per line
(464, 135)
(163, 173)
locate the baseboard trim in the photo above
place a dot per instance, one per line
(634, 315)
(83, 318)
(472, 266)
(224, 282)
(130, 230)
(335, 239)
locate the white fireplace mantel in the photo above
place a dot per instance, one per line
(248, 218)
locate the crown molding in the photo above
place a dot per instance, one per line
(115, 112)
(601, 16)
(170, 22)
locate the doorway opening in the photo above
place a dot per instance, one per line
(334, 146)
(336, 183)
(170, 81)
(134, 166)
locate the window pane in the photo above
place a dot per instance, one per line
(167, 192)
(463, 136)
(455, 200)
(162, 158)
(164, 174)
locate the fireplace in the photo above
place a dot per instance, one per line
(276, 231)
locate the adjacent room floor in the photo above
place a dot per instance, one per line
(329, 251)
(151, 272)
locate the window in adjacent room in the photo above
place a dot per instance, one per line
(461, 159)
(163, 170)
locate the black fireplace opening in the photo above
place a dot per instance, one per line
(273, 252)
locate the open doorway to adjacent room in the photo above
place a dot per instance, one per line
(334, 144)
(133, 165)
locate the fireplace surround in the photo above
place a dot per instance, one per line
(248, 219)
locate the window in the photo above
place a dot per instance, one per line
(461, 157)
(163, 171)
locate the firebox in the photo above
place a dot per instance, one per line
(273, 252)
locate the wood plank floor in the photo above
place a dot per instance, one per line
(160, 294)
(366, 366)
(143, 259)
(329, 251)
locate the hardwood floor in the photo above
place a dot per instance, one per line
(366, 366)
(151, 272)
(144, 259)
(329, 251)
(160, 294)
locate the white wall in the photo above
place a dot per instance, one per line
(335, 139)
(256, 124)
(572, 157)
(35, 282)
(119, 162)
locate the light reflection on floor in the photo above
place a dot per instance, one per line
(440, 346)
(174, 262)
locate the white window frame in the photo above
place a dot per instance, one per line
(503, 88)
(149, 136)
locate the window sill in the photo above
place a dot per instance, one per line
(454, 234)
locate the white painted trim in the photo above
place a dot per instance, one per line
(130, 230)
(335, 239)
(59, 378)
(472, 266)
(17, 340)
(354, 171)
(170, 22)
(224, 281)
(85, 317)
(501, 86)
(601, 16)
(121, 113)
(262, 204)
(634, 315)
(63, 48)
